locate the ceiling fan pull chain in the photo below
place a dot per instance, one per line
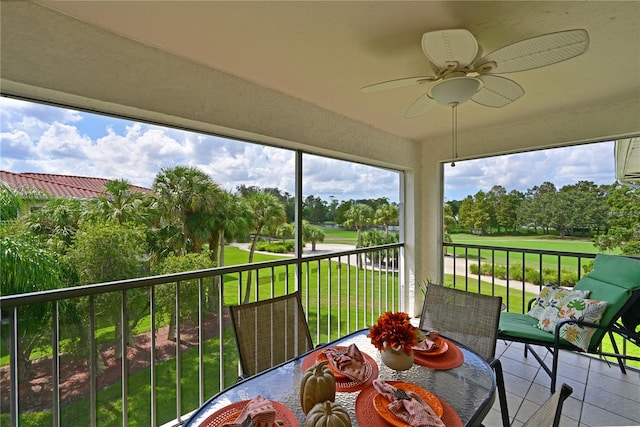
(454, 133)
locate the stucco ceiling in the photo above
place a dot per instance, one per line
(322, 53)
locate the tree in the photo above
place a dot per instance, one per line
(189, 290)
(341, 211)
(108, 252)
(312, 234)
(376, 238)
(266, 212)
(536, 208)
(506, 210)
(120, 204)
(386, 215)
(28, 266)
(358, 216)
(494, 196)
(449, 222)
(14, 203)
(286, 231)
(474, 213)
(624, 220)
(231, 221)
(57, 222)
(183, 194)
(314, 210)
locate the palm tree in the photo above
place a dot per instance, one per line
(358, 216)
(231, 221)
(57, 222)
(186, 197)
(266, 213)
(386, 215)
(121, 204)
(182, 193)
(312, 234)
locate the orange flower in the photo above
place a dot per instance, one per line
(395, 330)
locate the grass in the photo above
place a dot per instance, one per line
(109, 399)
(339, 236)
(543, 243)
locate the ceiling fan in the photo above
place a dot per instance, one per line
(461, 73)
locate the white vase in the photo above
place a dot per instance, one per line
(396, 358)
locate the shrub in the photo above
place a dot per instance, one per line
(275, 247)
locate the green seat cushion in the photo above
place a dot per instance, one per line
(523, 326)
(613, 279)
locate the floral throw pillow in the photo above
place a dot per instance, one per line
(571, 307)
(549, 297)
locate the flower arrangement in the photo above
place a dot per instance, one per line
(394, 330)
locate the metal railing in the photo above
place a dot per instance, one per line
(149, 351)
(518, 274)
(177, 336)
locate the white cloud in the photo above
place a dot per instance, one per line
(561, 166)
(41, 138)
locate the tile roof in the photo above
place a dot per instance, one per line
(78, 187)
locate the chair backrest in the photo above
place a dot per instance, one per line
(270, 332)
(548, 415)
(614, 279)
(468, 318)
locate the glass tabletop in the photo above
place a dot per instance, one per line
(468, 389)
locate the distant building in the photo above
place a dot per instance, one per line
(60, 186)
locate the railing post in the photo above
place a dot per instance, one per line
(13, 365)
(55, 360)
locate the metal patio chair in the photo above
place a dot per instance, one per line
(470, 319)
(548, 415)
(270, 332)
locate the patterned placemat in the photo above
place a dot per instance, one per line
(452, 358)
(367, 415)
(347, 384)
(230, 412)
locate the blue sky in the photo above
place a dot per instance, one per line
(41, 138)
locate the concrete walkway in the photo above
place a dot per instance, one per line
(460, 265)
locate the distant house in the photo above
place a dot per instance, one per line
(60, 186)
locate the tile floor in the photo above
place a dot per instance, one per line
(602, 395)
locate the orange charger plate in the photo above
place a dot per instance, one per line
(442, 348)
(380, 402)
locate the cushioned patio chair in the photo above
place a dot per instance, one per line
(470, 319)
(548, 415)
(270, 332)
(615, 280)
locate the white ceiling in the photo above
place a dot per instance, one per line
(323, 52)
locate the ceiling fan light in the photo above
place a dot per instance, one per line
(455, 90)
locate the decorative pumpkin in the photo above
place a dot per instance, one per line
(318, 385)
(328, 414)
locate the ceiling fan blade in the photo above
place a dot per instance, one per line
(535, 52)
(449, 46)
(497, 91)
(419, 107)
(394, 84)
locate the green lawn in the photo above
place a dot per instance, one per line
(339, 236)
(543, 243)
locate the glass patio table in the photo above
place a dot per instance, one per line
(468, 389)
